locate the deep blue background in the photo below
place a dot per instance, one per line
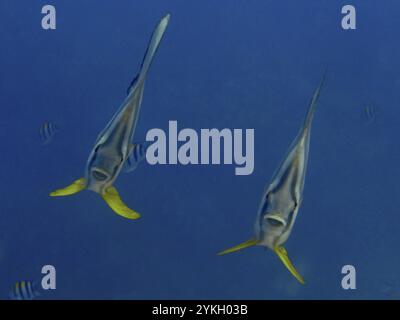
(223, 64)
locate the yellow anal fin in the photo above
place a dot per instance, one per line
(246, 244)
(283, 255)
(75, 187)
(115, 202)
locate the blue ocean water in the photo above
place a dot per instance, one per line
(222, 64)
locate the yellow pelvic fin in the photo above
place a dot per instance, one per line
(115, 202)
(283, 255)
(246, 244)
(75, 187)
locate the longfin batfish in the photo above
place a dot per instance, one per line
(282, 198)
(113, 146)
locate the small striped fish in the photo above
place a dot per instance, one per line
(370, 114)
(137, 154)
(24, 290)
(47, 131)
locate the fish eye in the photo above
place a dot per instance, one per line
(98, 175)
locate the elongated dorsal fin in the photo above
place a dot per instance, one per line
(152, 47)
(313, 103)
(131, 85)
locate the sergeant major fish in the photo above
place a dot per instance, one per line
(24, 290)
(113, 146)
(137, 155)
(47, 131)
(282, 198)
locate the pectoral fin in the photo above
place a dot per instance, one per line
(115, 202)
(246, 244)
(283, 255)
(75, 187)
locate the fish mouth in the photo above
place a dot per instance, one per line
(99, 174)
(275, 220)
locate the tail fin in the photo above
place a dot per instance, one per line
(313, 103)
(243, 245)
(151, 50)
